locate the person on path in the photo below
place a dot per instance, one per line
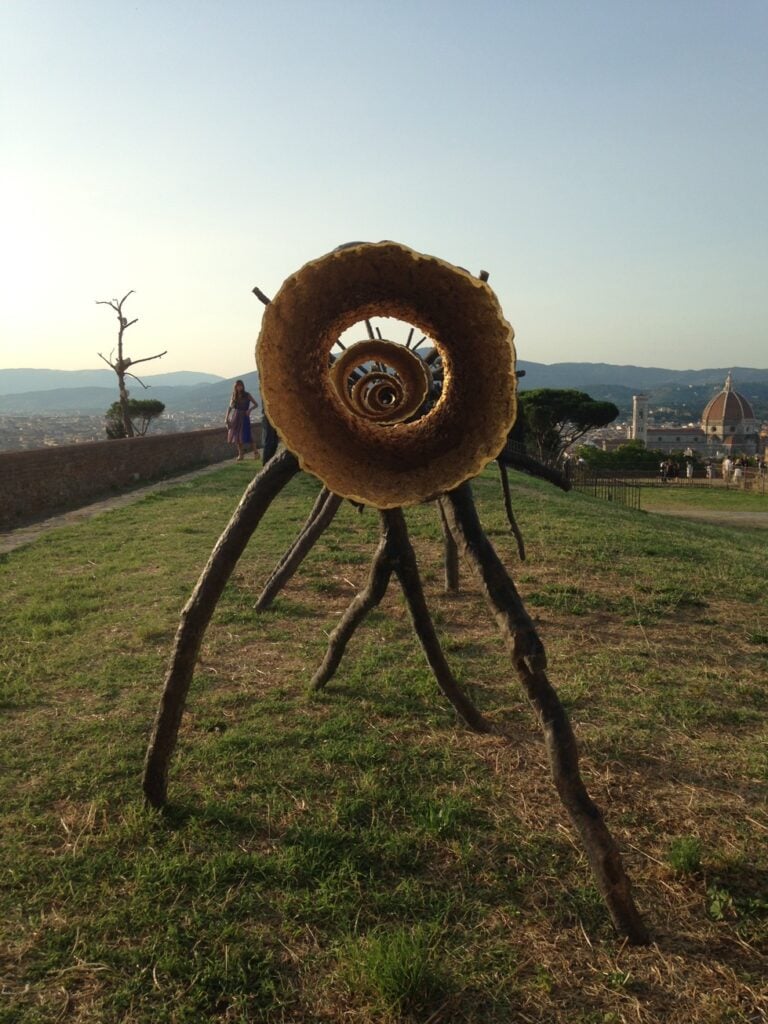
(239, 420)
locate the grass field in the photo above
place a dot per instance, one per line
(358, 856)
(717, 505)
(707, 498)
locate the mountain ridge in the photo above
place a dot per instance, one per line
(688, 390)
(18, 380)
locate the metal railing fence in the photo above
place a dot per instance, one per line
(625, 493)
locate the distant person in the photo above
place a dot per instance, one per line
(239, 420)
(726, 468)
(708, 469)
(689, 470)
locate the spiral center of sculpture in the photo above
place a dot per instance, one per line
(381, 381)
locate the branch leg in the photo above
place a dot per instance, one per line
(407, 571)
(451, 555)
(269, 439)
(508, 509)
(322, 496)
(197, 613)
(529, 661)
(320, 518)
(364, 602)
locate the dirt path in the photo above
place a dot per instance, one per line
(724, 517)
(12, 539)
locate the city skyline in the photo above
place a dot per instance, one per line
(604, 163)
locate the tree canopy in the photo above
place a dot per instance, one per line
(141, 413)
(632, 455)
(555, 418)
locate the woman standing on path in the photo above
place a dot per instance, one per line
(239, 419)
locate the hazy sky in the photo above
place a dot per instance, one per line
(606, 161)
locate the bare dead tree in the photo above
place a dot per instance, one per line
(121, 364)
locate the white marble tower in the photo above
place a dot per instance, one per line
(640, 418)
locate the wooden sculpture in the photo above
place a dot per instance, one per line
(385, 427)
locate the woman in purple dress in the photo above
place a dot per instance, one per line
(239, 419)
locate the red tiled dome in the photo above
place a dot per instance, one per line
(728, 407)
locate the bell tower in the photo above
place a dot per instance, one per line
(640, 418)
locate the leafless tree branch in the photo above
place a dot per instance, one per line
(121, 364)
(146, 359)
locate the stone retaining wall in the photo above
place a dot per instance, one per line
(43, 481)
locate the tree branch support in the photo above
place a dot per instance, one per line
(320, 518)
(197, 613)
(395, 554)
(529, 661)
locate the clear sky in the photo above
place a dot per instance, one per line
(605, 160)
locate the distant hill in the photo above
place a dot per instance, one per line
(636, 379)
(681, 403)
(93, 401)
(14, 382)
(674, 394)
(683, 392)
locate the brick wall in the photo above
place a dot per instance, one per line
(43, 481)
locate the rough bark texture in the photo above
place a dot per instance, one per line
(364, 602)
(320, 518)
(395, 554)
(408, 573)
(197, 613)
(450, 555)
(508, 509)
(529, 661)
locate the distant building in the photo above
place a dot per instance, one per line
(729, 421)
(639, 428)
(728, 426)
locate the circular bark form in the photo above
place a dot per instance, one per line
(386, 464)
(389, 395)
